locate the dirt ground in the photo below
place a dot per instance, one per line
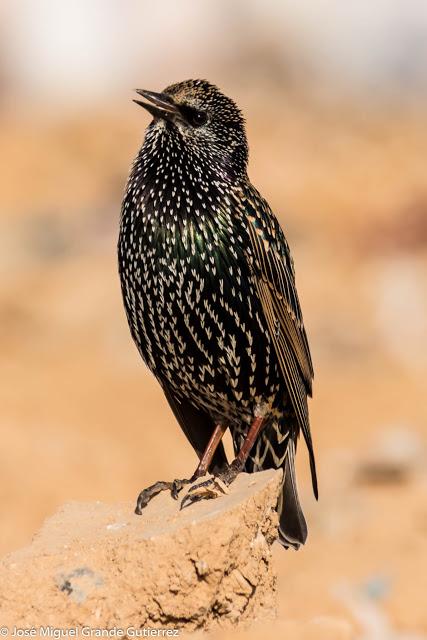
(82, 419)
(102, 566)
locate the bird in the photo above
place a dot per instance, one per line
(208, 286)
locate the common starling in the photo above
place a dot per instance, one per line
(208, 285)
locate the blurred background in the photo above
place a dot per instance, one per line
(335, 98)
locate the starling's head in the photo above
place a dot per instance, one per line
(209, 123)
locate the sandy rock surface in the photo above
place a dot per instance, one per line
(100, 565)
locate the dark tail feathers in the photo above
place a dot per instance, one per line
(292, 527)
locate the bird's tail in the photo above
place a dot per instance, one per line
(292, 526)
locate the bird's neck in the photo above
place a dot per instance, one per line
(174, 178)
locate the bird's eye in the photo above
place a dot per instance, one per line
(194, 117)
(198, 118)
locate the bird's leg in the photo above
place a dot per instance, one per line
(209, 452)
(175, 487)
(217, 485)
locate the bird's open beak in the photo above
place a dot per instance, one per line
(160, 105)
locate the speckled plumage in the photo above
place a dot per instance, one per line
(209, 288)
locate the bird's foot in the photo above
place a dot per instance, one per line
(214, 487)
(150, 492)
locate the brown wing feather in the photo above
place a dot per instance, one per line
(275, 282)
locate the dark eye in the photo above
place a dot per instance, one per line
(197, 118)
(194, 117)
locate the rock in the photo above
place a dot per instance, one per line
(100, 565)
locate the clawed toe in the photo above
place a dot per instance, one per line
(177, 486)
(213, 487)
(149, 493)
(206, 490)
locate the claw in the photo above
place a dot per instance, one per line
(206, 490)
(214, 484)
(150, 492)
(147, 494)
(177, 486)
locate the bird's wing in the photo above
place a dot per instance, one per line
(272, 265)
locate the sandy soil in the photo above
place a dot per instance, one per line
(82, 419)
(102, 566)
